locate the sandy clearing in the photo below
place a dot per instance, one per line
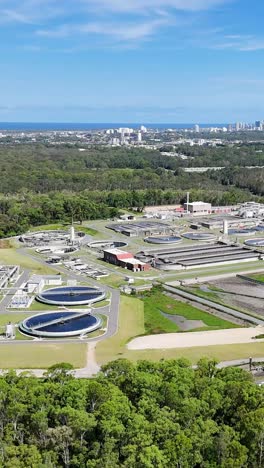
(193, 339)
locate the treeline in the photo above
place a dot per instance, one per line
(233, 155)
(43, 169)
(252, 179)
(41, 184)
(145, 415)
(18, 213)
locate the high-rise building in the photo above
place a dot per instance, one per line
(196, 128)
(139, 137)
(259, 125)
(143, 129)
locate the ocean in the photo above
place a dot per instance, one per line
(63, 126)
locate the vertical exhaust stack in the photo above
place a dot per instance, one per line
(187, 202)
(225, 227)
(72, 235)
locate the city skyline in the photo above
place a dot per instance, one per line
(134, 61)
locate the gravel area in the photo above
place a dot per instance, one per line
(183, 323)
(191, 340)
(242, 294)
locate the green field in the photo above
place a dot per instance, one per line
(40, 355)
(13, 257)
(12, 317)
(259, 277)
(220, 353)
(87, 230)
(101, 331)
(156, 302)
(50, 227)
(196, 289)
(131, 324)
(139, 317)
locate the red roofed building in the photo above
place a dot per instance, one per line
(124, 259)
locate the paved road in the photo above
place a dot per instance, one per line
(214, 305)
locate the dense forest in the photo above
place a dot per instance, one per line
(41, 184)
(43, 169)
(251, 179)
(143, 415)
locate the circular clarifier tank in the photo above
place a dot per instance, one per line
(199, 236)
(107, 244)
(241, 232)
(163, 240)
(255, 242)
(60, 324)
(71, 296)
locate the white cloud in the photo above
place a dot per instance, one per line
(127, 31)
(239, 42)
(119, 20)
(141, 5)
(36, 10)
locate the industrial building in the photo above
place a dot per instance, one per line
(124, 260)
(216, 222)
(251, 210)
(198, 208)
(142, 228)
(36, 283)
(198, 256)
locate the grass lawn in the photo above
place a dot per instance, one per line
(131, 324)
(40, 356)
(100, 331)
(50, 227)
(211, 295)
(257, 277)
(113, 280)
(87, 230)
(12, 317)
(65, 227)
(156, 302)
(138, 317)
(98, 305)
(38, 306)
(13, 257)
(220, 352)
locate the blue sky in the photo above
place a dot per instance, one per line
(131, 60)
